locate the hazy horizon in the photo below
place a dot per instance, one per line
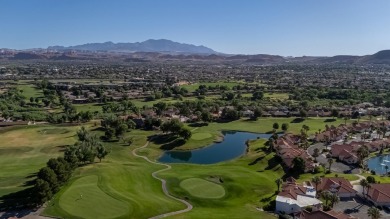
(287, 28)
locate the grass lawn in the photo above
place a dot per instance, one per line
(121, 186)
(86, 194)
(121, 180)
(29, 90)
(202, 188)
(93, 107)
(26, 149)
(193, 87)
(381, 179)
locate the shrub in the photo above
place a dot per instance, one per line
(370, 179)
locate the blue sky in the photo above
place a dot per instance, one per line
(283, 27)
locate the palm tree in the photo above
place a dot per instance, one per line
(334, 199)
(326, 196)
(345, 120)
(316, 153)
(330, 162)
(364, 184)
(374, 213)
(316, 180)
(362, 153)
(278, 183)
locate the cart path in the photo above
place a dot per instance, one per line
(164, 184)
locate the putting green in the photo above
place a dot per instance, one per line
(201, 136)
(202, 188)
(85, 194)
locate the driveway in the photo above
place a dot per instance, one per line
(357, 207)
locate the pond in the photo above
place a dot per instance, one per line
(232, 146)
(379, 163)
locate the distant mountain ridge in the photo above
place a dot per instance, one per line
(161, 45)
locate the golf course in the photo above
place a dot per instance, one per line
(122, 185)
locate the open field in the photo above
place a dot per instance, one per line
(193, 87)
(23, 150)
(30, 90)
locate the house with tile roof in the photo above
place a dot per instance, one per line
(294, 198)
(379, 194)
(338, 185)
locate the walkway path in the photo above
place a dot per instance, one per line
(358, 180)
(164, 185)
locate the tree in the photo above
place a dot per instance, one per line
(275, 125)
(306, 128)
(362, 153)
(370, 179)
(316, 153)
(334, 199)
(316, 180)
(285, 126)
(387, 169)
(334, 113)
(345, 120)
(364, 184)
(185, 133)
(206, 116)
(374, 213)
(303, 113)
(160, 107)
(299, 165)
(257, 113)
(330, 162)
(82, 134)
(43, 191)
(257, 95)
(278, 182)
(327, 196)
(101, 152)
(61, 168)
(49, 176)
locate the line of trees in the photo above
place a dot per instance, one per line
(59, 170)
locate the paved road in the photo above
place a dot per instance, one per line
(164, 185)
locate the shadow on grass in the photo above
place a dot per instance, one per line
(198, 124)
(256, 161)
(297, 120)
(17, 204)
(173, 144)
(269, 198)
(167, 142)
(330, 120)
(273, 162)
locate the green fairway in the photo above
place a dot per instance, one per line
(202, 188)
(30, 90)
(201, 136)
(120, 179)
(122, 185)
(23, 150)
(193, 87)
(85, 194)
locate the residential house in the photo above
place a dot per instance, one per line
(294, 198)
(338, 185)
(379, 194)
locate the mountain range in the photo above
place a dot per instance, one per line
(166, 50)
(162, 45)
